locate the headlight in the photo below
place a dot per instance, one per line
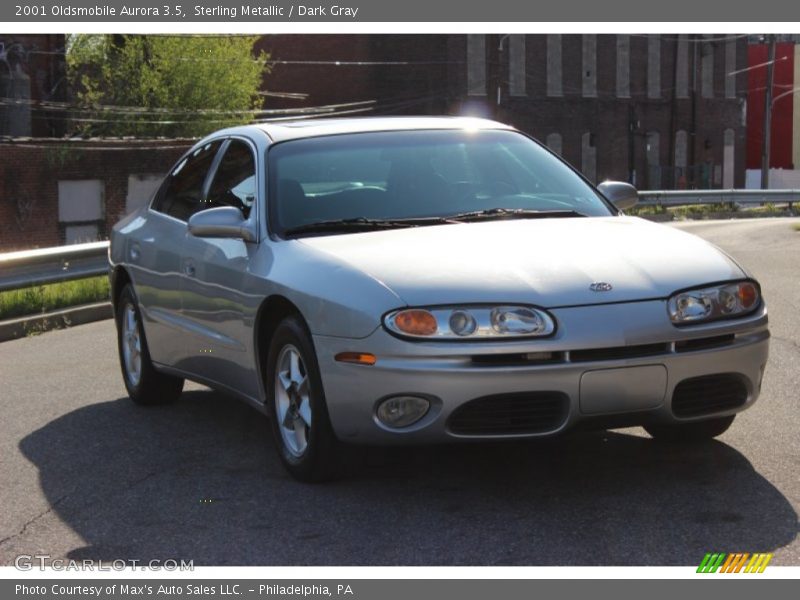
(470, 322)
(714, 302)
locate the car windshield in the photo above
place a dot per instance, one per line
(420, 177)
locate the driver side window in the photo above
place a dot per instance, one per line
(235, 180)
(183, 194)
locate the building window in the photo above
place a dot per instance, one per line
(476, 65)
(730, 67)
(707, 66)
(728, 162)
(681, 160)
(653, 160)
(517, 74)
(654, 66)
(81, 209)
(553, 141)
(682, 68)
(623, 66)
(554, 86)
(588, 156)
(589, 53)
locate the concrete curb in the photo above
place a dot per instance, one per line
(58, 319)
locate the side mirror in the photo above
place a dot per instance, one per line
(622, 195)
(221, 222)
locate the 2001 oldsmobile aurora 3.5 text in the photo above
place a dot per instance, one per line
(413, 280)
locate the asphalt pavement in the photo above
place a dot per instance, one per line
(85, 474)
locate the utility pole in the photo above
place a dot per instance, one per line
(766, 138)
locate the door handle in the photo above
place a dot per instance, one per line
(189, 269)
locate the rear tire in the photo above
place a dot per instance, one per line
(145, 385)
(301, 427)
(697, 431)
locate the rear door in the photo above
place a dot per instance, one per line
(219, 294)
(155, 254)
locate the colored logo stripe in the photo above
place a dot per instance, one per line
(711, 563)
(734, 563)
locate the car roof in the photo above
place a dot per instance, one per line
(279, 131)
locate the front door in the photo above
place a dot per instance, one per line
(220, 300)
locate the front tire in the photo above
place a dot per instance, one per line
(697, 431)
(145, 385)
(296, 403)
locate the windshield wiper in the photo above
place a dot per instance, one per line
(513, 213)
(358, 223)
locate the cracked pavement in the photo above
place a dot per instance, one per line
(85, 474)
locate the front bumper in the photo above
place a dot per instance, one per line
(653, 357)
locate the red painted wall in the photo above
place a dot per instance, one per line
(781, 146)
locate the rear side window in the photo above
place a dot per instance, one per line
(183, 195)
(235, 180)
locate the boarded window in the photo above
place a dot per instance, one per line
(623, 66)
(476, 65)
(589, 54)
(588, 156)
(728, 163)
(81, 209)
(516, 65)
(654, 66)
(553, 141)
(554, 85)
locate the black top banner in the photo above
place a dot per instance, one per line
(470, 11)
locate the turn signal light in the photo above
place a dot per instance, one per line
(358, 358)
(416, 322)
(748, 295)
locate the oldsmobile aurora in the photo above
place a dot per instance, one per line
(404, 280)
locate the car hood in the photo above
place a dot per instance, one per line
(546, 262)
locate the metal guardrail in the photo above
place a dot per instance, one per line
(52, 265)
(684, 197)
(64, 263)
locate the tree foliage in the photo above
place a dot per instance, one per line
(163, 85)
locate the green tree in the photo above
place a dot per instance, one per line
(163, 85)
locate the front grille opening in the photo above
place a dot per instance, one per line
(617, 353)
(508, 414)
(705, 343)
(517, 360)
(708, 394)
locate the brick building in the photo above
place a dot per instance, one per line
(55, 192)
(661, 111)
(657, 110)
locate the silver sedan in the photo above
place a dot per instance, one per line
(404, 280)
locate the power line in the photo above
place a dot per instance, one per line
(362, 106)
(51, 105)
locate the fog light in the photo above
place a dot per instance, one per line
(402, 411)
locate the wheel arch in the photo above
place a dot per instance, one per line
(119, 279)
(272, 311)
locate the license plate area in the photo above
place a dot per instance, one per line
(627, 389)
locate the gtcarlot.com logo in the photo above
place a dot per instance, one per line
(738, 562)
(27, 562)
